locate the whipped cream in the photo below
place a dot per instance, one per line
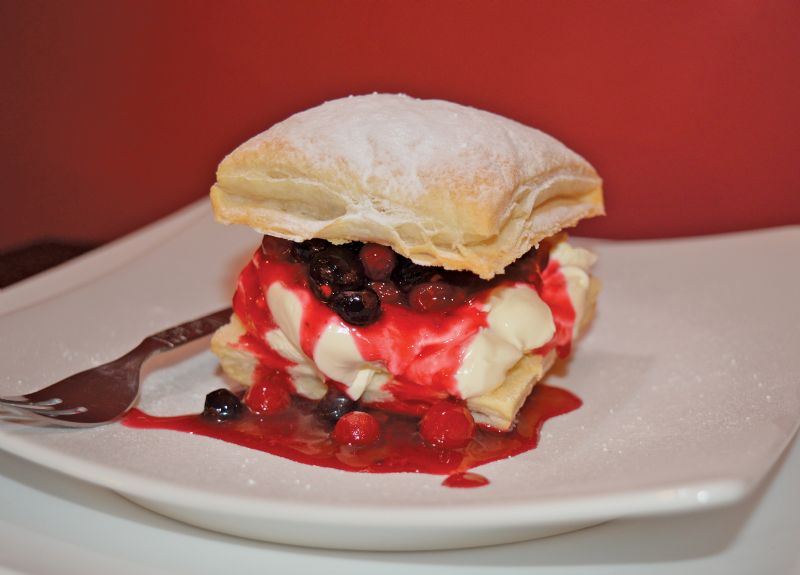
(518, 322)
(575, 265)
(336, 356)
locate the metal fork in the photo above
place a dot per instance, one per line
(102, 394)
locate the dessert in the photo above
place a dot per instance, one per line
(413, 284)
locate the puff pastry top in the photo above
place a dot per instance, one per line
(442, 184)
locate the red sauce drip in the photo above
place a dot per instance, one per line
(465, 480)
(298, 434)
(554, 293)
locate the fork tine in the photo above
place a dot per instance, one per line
(14, 416)
(60, 412)
(25, 416)
(42, 410)
(23, 401)
(101, 394)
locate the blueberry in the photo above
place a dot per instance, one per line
(338, 267)
(354, 247)
(275, 248)
(543, 257)
(334, 405)
(463, 279)
(323, 291)
(360, 307)
(222, 405)
(407, 274)
(304, 251)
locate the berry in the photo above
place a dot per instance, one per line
(356, 428)
(222, 405)
(465, 280)
(447, 424)
(338, 267)
(378, 261)
(360, 307)
(275, 248)
(407, 274)
(304, 251)
(542, 257)
(268, 399)
(388, 292)
(322, 291)
(354, 247)
(434, 296)
(334, 405)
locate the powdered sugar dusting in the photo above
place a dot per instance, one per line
(441, 183)
(404, 143)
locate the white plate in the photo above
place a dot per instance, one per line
(690, 381)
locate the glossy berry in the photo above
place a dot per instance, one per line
(322, 291)
(447, 424)
(378, 261)
(465, 280)
(304, 251)
(268, 399)
(354, 247)
(356, 428)
(338, 267)
(542, 257)
(388, 292)
(407, 274)
(334, 405)
(361, 307)
(434, 296)
(222, 405)
(275, 249)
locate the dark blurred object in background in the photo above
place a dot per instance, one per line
(22, 262)
(114, 114)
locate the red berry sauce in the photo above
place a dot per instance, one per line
(465, 479)
(421, 349)
(297, 433)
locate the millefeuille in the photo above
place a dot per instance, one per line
(413, 252)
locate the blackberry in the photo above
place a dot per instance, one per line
(304, 251)
(407, 274)
(338, 267)
(334, 405)
(222, 405)
(322, 291)
(276, 249)
(361, 307)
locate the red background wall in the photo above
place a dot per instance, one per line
(116, 113)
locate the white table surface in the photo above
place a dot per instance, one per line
(50, 523)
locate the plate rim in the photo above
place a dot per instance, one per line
(675, 498)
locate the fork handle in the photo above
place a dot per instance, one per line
(184, 333)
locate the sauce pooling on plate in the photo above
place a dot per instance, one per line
(298, 433)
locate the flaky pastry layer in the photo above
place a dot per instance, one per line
(442, 184)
